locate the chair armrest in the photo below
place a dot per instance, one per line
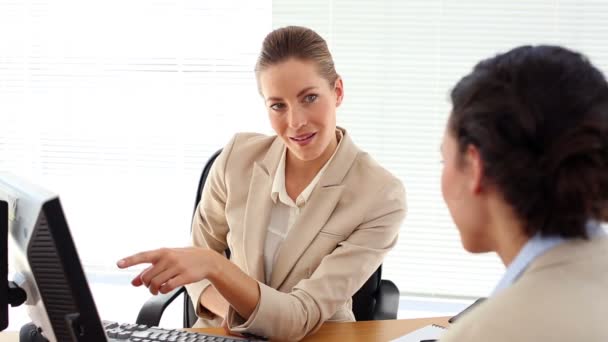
(388, 301)
(154, 307)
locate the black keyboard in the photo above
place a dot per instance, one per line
(123, 332)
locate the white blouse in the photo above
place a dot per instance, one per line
(285, 211)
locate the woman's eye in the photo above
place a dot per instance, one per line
(310, 98)
(277, 106)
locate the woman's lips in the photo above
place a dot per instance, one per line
(303, 139)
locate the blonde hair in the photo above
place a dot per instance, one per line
(297, 42)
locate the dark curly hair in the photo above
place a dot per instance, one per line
(539, 117)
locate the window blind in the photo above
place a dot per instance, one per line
(399, 60)
(116, 106)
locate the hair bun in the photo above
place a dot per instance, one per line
(575, 169)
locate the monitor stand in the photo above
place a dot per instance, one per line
(10, 293)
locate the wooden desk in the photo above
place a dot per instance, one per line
(372, 330)
(368, 331)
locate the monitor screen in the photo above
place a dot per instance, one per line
(44, 259)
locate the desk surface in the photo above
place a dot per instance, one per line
(356, 331)
(360, 331)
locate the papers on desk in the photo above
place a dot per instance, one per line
(430, 332)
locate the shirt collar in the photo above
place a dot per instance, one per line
(534, 248)
(278, 185)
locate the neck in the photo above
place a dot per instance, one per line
(509, 246)
(509, 234)
(304, 168)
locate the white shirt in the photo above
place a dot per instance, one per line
(285, 211)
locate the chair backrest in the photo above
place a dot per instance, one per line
(364, 301)
(189, 313)
(201, 181)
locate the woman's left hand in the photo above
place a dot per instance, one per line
(172, 267)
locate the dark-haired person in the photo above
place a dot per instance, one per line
(526, 176)
(307, 215)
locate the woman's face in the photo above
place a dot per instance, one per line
(302, 107)
(461, 190)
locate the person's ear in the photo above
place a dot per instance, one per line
(339, 90)
(475, 165)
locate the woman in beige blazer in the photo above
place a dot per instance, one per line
(307, 216)
(526, 176)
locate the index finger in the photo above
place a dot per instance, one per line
(147, 257)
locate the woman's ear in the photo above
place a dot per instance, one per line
(476, 169)
(339, 90)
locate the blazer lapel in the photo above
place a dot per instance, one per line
(311, 220)
(316, 212)
(258, 210)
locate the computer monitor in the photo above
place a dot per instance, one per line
(3, 265)
(43, 256)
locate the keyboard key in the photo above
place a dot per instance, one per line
(141, 333)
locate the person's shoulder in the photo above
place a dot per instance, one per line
(366, 167)
(252, 140)
(250, 144)
(366, 164)
(573, 254)
(536, 307)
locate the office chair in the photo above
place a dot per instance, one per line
(378, 298)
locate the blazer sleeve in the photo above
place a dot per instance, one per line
(292, 316)
(209, 224)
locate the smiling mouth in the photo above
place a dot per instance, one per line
(303, 138)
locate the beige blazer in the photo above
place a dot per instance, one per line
(345, 229)
(561, 297)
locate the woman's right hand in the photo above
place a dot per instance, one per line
(173, 267)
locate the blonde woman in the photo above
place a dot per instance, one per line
(307, 215)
